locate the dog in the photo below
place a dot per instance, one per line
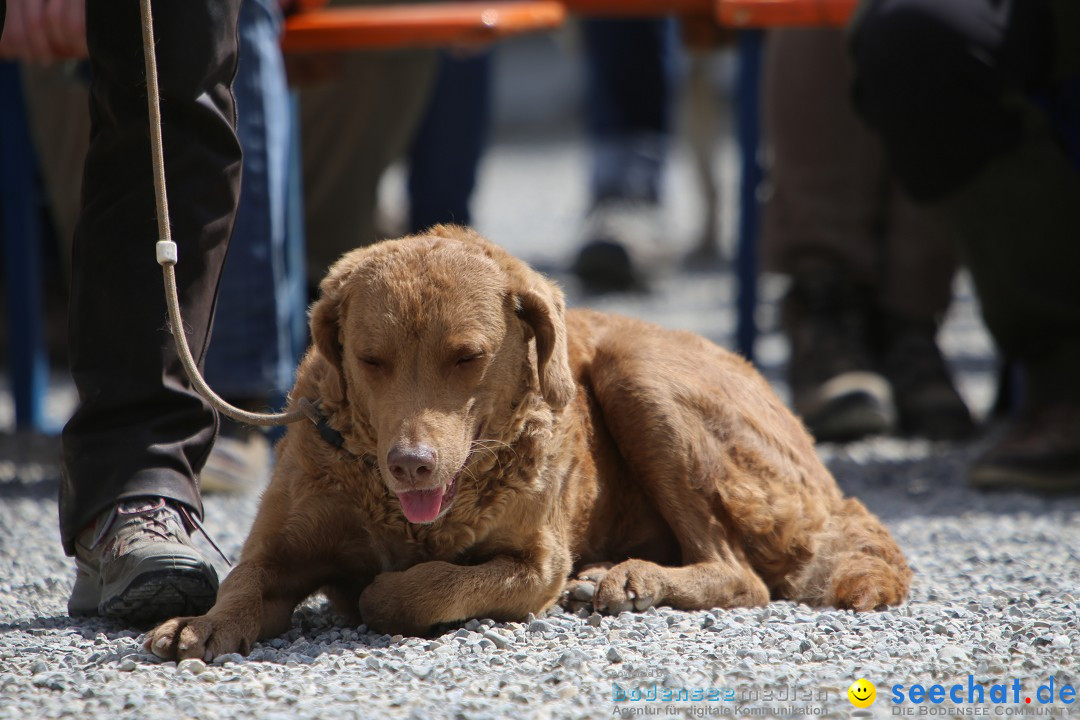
(480, 451)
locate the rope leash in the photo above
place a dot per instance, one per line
(167, 258)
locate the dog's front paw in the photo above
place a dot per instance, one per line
(387, 607)
(202, 637)
(630, 585)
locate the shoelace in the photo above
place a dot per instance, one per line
(157, 526)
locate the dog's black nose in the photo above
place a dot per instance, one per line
(411, 464)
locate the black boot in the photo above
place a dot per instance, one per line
(835, 386)
(927, 403)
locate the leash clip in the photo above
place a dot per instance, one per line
(166, 252)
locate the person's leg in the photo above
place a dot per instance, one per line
(821, 226)
(948, 85)
(919, 258)
(967, 138)
(630, 71)
(139, 429)
(56, 104)
(871, 273)
(254, 354)
(355, 120)
(630, 79)
(827, 176)
(447, 147)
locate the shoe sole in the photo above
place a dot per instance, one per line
(603, 266)
(850, 418)
(996, 478)
(162, 594)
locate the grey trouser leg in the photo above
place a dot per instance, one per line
(353, 125)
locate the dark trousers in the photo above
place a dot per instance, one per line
(969, 97)
(932, 77)
(630, 81)
(449, 142)
(139, 428)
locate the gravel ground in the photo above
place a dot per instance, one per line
(995, 593)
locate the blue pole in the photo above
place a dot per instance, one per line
(22, 255)
(748, 128)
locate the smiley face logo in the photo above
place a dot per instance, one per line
(862, 693)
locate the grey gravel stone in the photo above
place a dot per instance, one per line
(539, 626)
(235, 658)
(499, 641)
(191, 665)
(584, 591)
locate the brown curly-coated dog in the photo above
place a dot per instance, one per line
(486, 452)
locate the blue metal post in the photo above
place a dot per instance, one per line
(22, 255)
(748, 128)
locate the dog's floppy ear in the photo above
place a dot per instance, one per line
(325, 330)
(543, 308)
(326, 312)
(540, 303)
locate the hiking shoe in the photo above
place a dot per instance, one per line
(1040, 452)
(622, 246)
(927, 402)
(835, 387)
(239, 462)
(136, 563)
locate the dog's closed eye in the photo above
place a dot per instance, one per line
(469, 358)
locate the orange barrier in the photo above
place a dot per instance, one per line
(640, 8)
(732, 13)
(351, 28)
(784, 13)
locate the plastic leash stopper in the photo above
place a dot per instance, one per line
(166, 252)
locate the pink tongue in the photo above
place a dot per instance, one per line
(421, 506)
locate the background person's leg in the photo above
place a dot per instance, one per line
(56, 108)
(919, 258)
(827, 176)
(828, 183)
(450, 141)
(951, 93)
(253, 355)
(630, 74)
(968, 137)
(630, 80)
(357, 116)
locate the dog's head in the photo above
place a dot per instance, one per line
(435, 340)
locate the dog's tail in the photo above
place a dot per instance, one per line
(855, 565)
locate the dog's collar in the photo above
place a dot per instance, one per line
(313, 413)
(326, 431)
(329, 434)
